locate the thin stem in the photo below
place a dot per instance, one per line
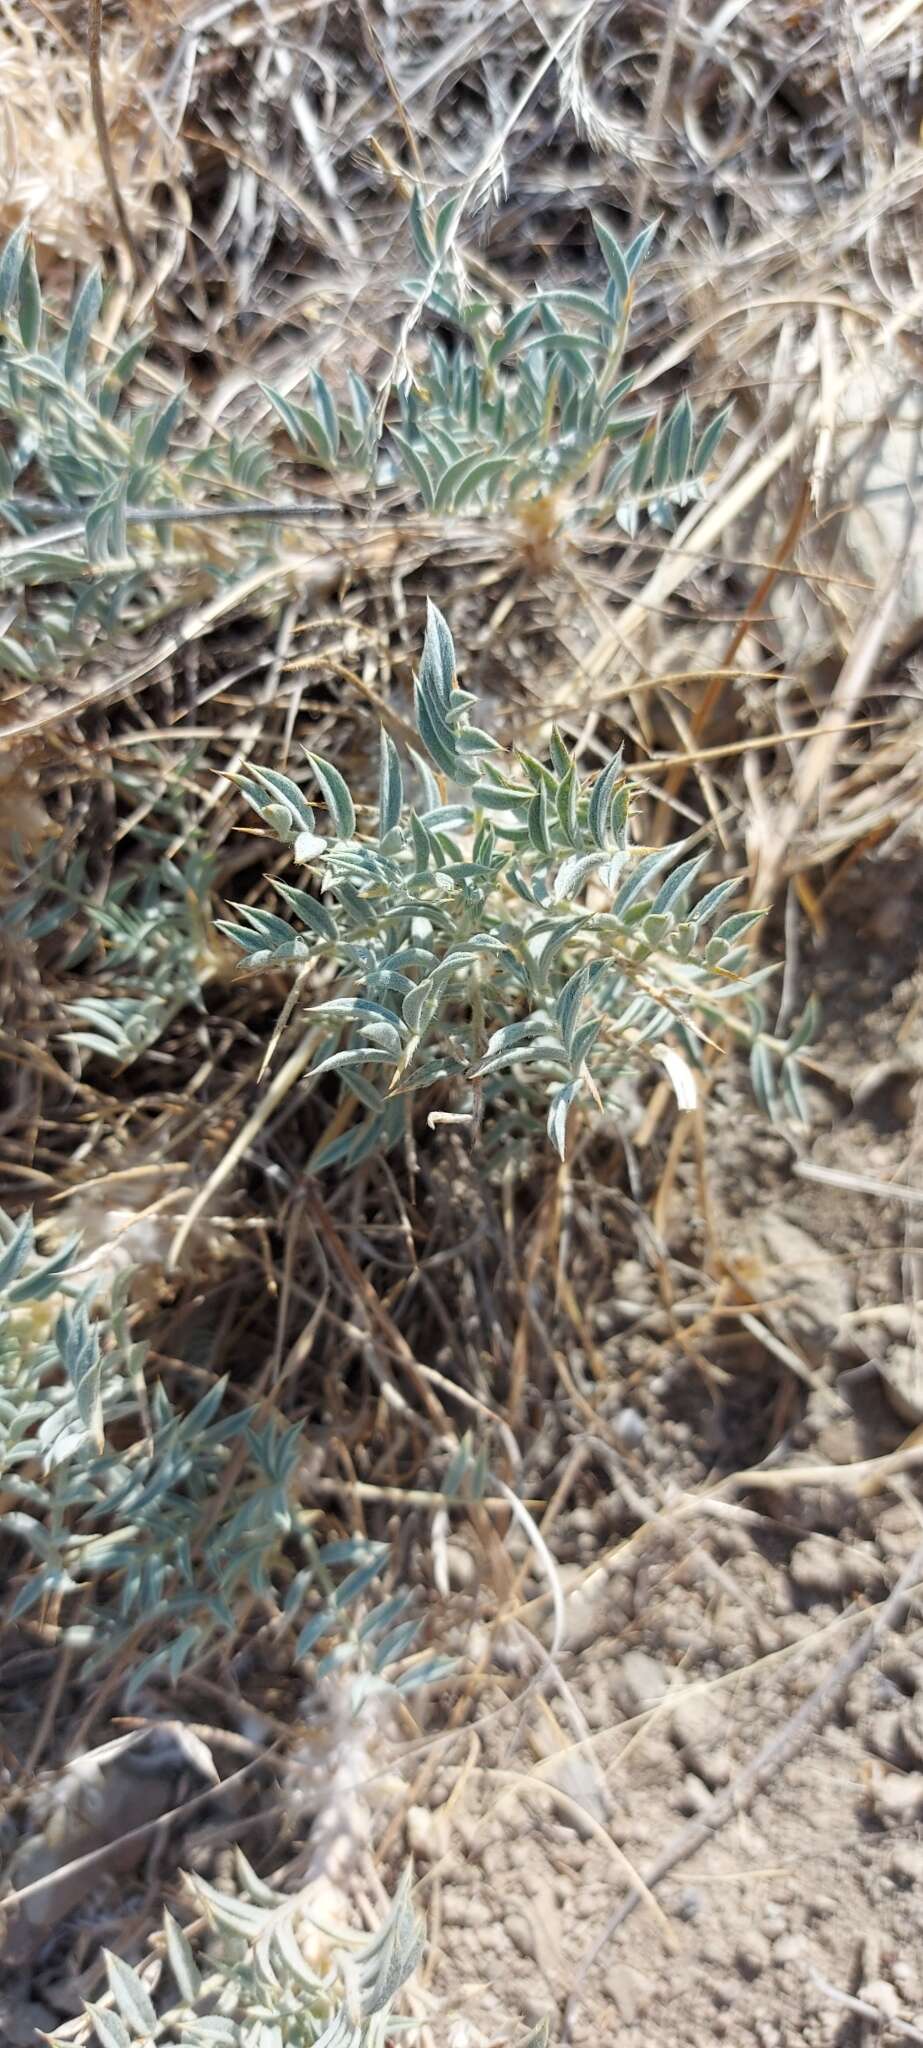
(97, 96)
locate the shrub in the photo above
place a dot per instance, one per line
(120, 504)
(173, 1522)
(499, 947)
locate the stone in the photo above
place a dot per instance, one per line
(697, 1725)
(752, 1954)
(896, 1797)
(630, 1428)
(906, 1865)
(791, 1949)
(627, 1990)
(694, 1797)
(884, 1735)
(461, 1566)
(427, 1834)
(642, 1681)
(815, 1568)
(882, 1996)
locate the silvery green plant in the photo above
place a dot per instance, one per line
(102, 482)
(117, 504)
(529, 410)
(249, 1983)
(146, 945)
(138, 1516)
(532, 408)
(496, 936)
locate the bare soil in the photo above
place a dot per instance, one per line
(697, 1628)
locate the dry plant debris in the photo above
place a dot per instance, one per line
(468, 1535)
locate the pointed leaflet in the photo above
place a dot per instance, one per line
(648, 866)
(567, 1007)
(419, 228)
(572, 874)
(336, 795)
(557, 1114)
(163, 426)
(30, 301)
(509, 334)
(110, 2030)
(680, 440)
(181, 1959)
(286, 791)
(709, 441)
(637, 250)
(17, 1250)
(615, 261)
(437, 668)
(390, 786)
(312, 913)
(327, 413)
(130, 1994)
(289, 416)
(89, 300)
(445, 222)
(674, 887)
(598, 812)
(417, 467)
(11, 263)
(81, 1356)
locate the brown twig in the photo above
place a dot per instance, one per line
(101, 124)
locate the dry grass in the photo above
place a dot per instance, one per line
(264, 155)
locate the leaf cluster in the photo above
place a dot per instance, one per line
(252, 1985)
(532, 402)
(491, 929)
(90, 441)
(146, 945)
(172, 1522)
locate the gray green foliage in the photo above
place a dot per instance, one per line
(249, 1984)
(498, 939)
(93, 439)
(177, 1530)
(532, 402)
(117, 503)
(529, 404)
(144, 945)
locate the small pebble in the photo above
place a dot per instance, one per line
(791, 1949)
(883, 1997)
(642, 1680)
(896, 1796)
(752, 1954)
(694, 1797)
(697, 1726)
(427, 1834)
(816, 1567)
(906, 1865)
(519, 1928)
(630, 1428)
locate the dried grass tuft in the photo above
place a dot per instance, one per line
(52, 174)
